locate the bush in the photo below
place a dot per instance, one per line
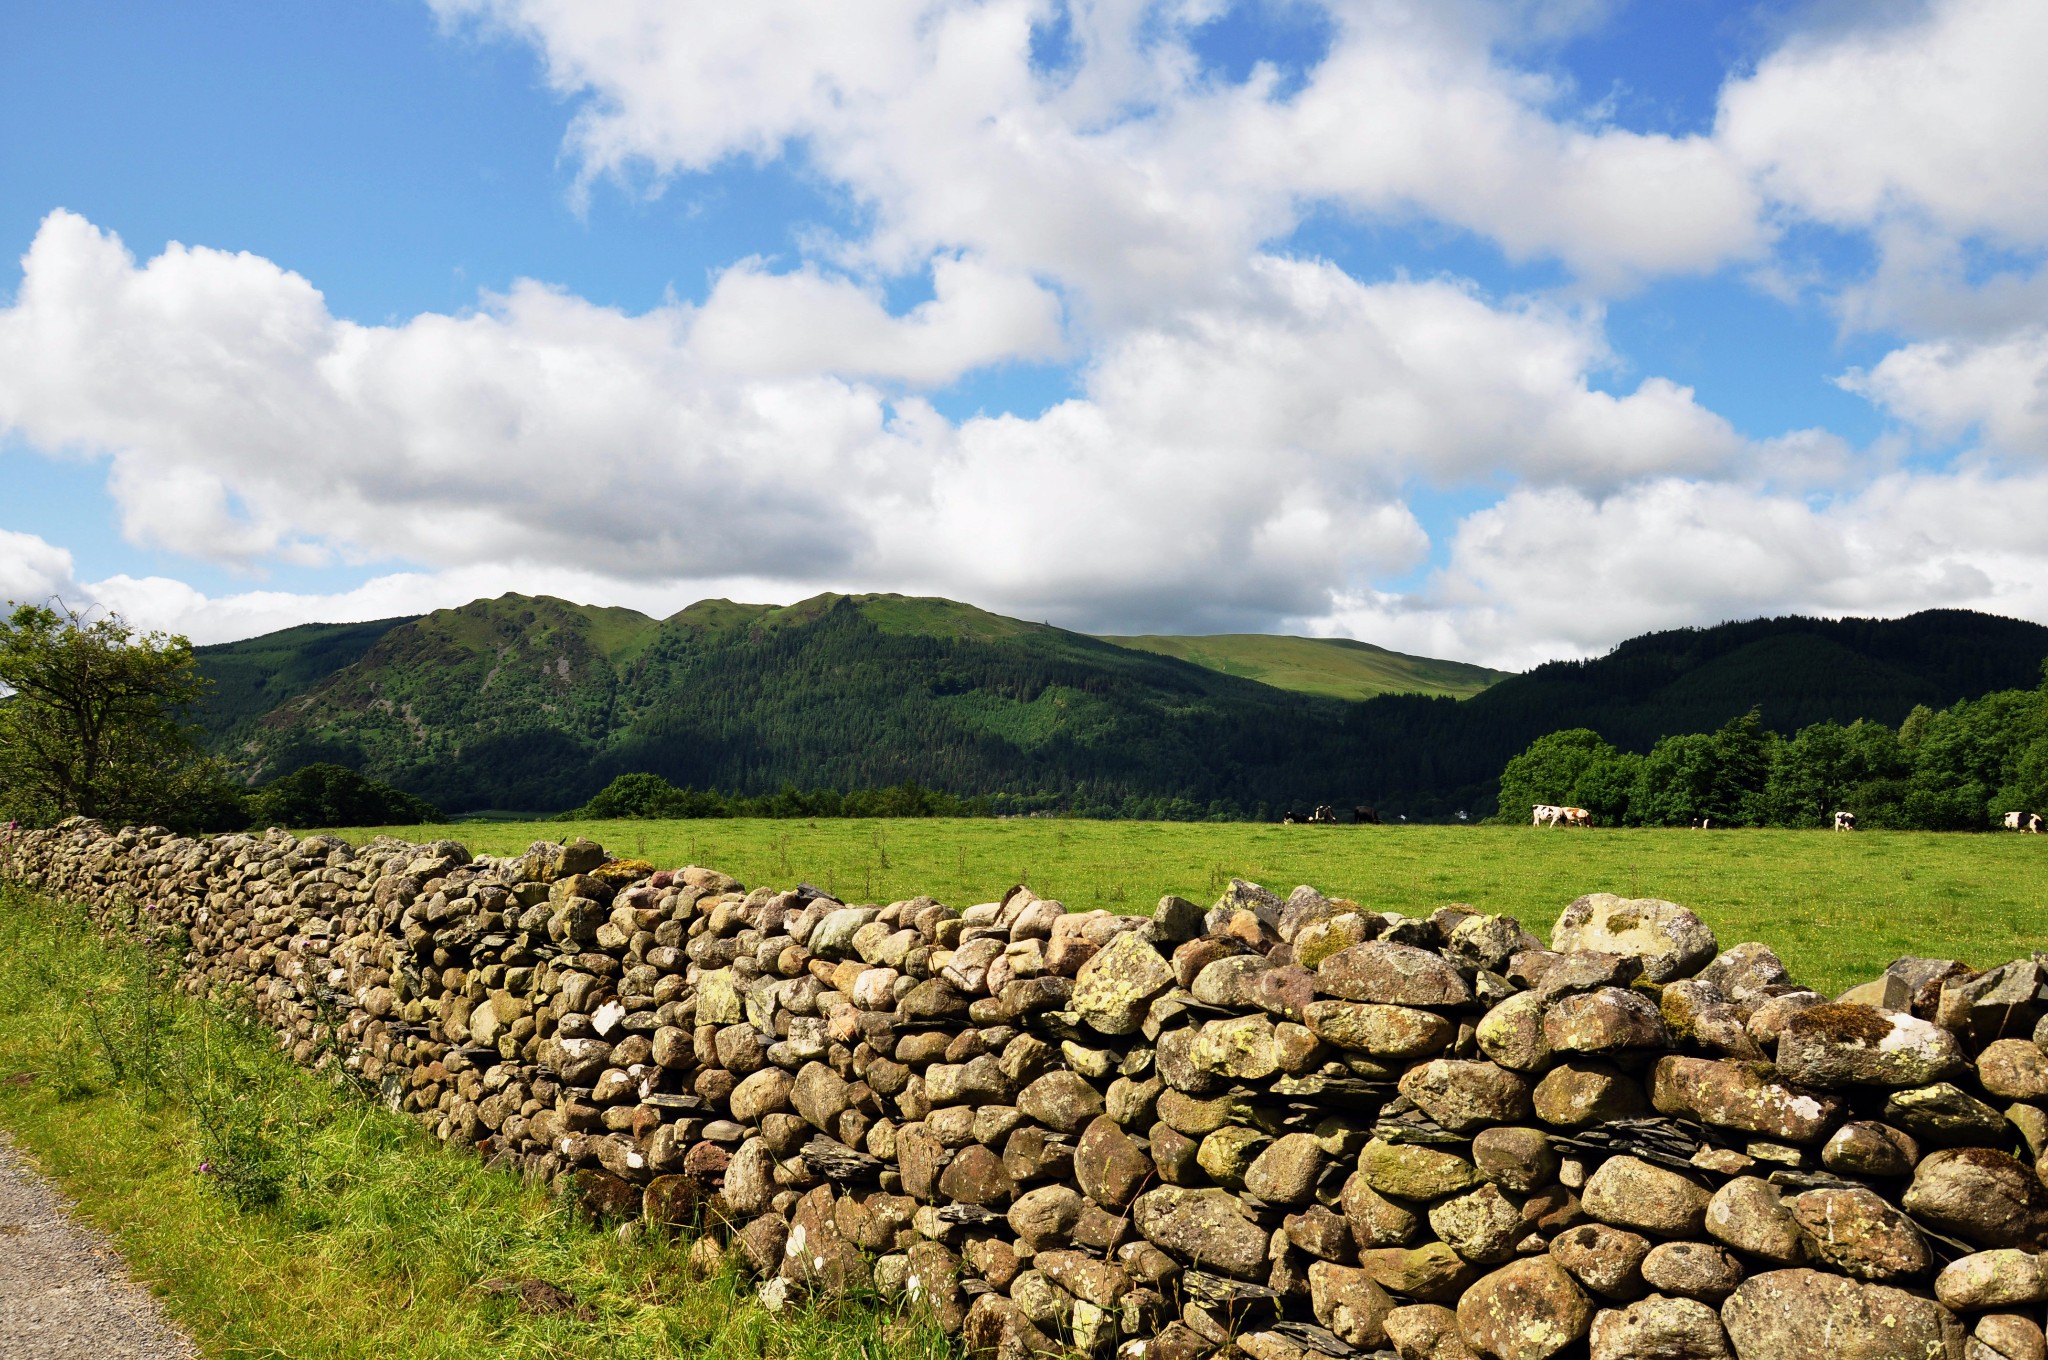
(649, 795)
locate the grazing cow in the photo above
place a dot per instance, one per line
(1845, 821)
(1545, 814)
(1292, 819)
(1324, 815)
(1703, 823)
(1576, 816)
(2023, 821)
(1365, 816)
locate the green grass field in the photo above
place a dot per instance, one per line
(1337, 667)
(1836, 907)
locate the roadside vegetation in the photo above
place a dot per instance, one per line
(281, 1215)
(98, 719)
(1836, 907)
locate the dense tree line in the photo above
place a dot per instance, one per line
(1960, 768)
(644, 795)
(334, 795)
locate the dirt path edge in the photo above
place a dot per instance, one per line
(65, 1292)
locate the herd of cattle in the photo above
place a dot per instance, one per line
(1326, 815)
(1552, 814)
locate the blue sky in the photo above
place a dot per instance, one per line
(1486, 328)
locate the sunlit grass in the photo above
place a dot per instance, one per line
(381, 1244)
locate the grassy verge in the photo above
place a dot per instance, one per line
(1836, 907)
(279, 1215)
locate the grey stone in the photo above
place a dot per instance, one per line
(1980, 1195)
(1670, 941)
(1115, 987)
(1529, 1310)
(1784, 1313)
(1629, 1192)
(1208, 1227)
(1834, 1046)
(1659, 1328)
(1392, 975)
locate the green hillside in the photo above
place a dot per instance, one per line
(536, 703)
(254, 676)
(1338, 668)
(1794, 671)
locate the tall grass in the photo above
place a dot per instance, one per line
(280, 1214)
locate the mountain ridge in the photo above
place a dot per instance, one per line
(532, 702)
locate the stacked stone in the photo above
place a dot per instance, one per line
(1287, 1128)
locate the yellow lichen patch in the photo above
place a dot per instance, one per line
(623, 871)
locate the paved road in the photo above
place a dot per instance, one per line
(64, 1291)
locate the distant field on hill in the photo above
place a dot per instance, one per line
(1338, 668)
(1836, 907)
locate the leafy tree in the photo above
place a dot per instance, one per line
(1743, 750)
(94, 724)
(335, 795)
(1720, 776)
(1576, 768)
(649, 795)
(1969, 758)
(1827, 767)
(1675, 782)
(1957, 769)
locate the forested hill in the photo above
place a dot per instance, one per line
(1794, 671)
(533, 704)
(251, 678)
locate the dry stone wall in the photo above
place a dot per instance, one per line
(1288, 1127)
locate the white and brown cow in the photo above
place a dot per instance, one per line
(2023, 821)
(1546, 814)
(1576, 816)
(1845, 821)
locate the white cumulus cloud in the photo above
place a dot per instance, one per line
(1923, 128)
(1554, 572)
(1131, 174)
(1948, 389)
(1242, 459)
(1249, 431)
(32, 570)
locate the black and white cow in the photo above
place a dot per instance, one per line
(2023, 821)
(1845, 821)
